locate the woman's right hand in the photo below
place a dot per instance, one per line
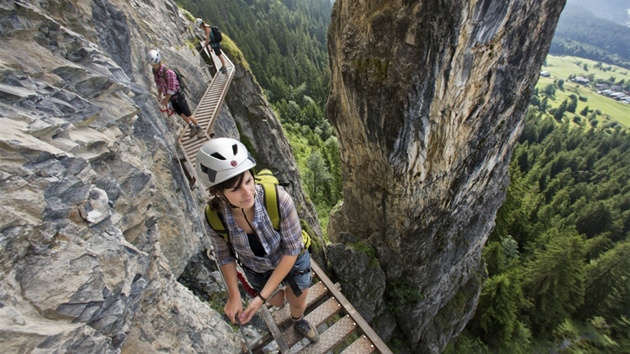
(233, 308)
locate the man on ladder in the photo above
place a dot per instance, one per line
(213, 38)
(170, 92)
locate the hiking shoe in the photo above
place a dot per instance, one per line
(199, 132)
(307, 330)
(223, 70)
(193, 131)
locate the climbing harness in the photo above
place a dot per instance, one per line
(169, 109)
(246, 285)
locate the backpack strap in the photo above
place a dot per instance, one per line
(215, 220)
(164, 70)
(271, 204)
(179, 84)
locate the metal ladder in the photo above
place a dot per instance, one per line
(206, 112)
(341, 326)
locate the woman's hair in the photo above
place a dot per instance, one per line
(216, 191)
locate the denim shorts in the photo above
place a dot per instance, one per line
(301, 272)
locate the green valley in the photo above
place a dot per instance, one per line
(558, 88)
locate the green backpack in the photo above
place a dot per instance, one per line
(270, 183)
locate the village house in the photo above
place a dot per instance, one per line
(581, 80)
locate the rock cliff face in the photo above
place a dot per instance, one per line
(428, 99)
(96, 222)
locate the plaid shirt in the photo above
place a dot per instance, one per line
(276, 244)
(168, 85)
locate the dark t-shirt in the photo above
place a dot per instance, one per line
(255, 245)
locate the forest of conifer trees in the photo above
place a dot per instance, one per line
(558, 260)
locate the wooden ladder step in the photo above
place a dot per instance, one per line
(316, 318)
(205, 111)
(193, 145)
(315, 293)
(360, 346)
(332, 336)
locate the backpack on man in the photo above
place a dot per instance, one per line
(180, 78)
(215, 35)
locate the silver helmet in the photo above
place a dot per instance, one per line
(220, 159)
(154, 56)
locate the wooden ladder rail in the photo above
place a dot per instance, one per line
(324, 303)
(206, 112)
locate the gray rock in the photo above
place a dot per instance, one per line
(95, 227)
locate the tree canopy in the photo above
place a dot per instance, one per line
(559, 251)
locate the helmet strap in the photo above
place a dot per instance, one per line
(228, 202)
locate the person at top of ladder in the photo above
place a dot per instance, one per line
(213, 38)
(268, 257)
(169, 91)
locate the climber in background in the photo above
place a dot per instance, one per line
(268, 257)
(169, 91)
(213, 38)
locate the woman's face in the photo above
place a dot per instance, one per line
(242, 194)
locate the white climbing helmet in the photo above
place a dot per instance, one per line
(154, 56)
(198, 22)
(220, 159)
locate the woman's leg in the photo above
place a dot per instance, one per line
(278, 299)
(297, 305)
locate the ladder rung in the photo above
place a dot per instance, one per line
(360, 346)
(334, 335)
(315, 293)
(317, 317)
(193, 146)
(204, 111)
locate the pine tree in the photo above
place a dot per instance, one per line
(499, 305)
(317, 175)
(554, 280)
(608, 285)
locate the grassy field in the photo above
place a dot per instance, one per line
(562, 67)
